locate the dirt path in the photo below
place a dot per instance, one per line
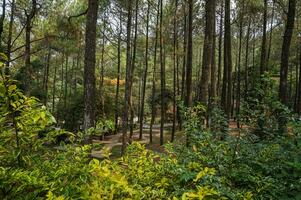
(115, 140)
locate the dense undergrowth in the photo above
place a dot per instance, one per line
(213, 166)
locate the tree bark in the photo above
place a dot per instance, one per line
(27, 53)
(208, 50)
(188, 95)
(184, 52)
(153, 107)
(54, 88)
(299, 85)
(227, 81)
(271, 34)
(247, 58)
(128, 80)
(66, 83)
(162, 70)
(46, 77)
(296, 86)
(118, 72)
(89, 65)
(286, 51)
(144, 74)
(133, 68)
(2, 21)
(220, 41)
(263, 59)
(102, 67)
(213, 85)
(175, 38)
(10, 35)
(239, 65)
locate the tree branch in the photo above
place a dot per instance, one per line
(18, 35)
(78, 15)
(32, 41)
(20, 56)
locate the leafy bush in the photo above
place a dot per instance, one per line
(71, 112)
(31, 167)
(263, 112)
(102, 127)
(218, 123)
(264, 169)
(142, 174)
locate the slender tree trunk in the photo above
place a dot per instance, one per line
(299, 85)
(184, 53)
(139, 94)
(290, 93)
(28, 27)
(128, 80)
(144, 74)
(102, 67)
(227, 82)
(89, 65)
(296, 86)
(133, 68)
(220, 40)
(71, 82)
(286, 51)
(188, 95)
(62, 77)
(153, 106)
(54, 88)
(263, 59)
(213, 84)
(2, 22)
(45, 83)
(118, 72)
(66, 82)
(208, 50)
(247, 58)
(183, 86)
(239, 65)
(78, 67)
(253, 57)
(175, 38)
(10, 34)
(162, 67)
(271, 34)
(178, 80)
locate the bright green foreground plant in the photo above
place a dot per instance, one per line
(31, 168)
(211, 168)
(266, 168)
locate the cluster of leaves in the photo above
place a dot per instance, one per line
(218, 122)
(263, 112)
(29, 165)
(101, 128)
(142, 174)
(246, 168)
(33, 167)
(70, 113)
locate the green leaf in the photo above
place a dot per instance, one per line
(12, 88)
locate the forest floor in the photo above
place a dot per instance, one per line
(113, 143)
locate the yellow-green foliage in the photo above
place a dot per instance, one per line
(141, 174)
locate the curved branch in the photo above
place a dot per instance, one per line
(22, 55)
(19, 34)
(78, 15)
(32, 41)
